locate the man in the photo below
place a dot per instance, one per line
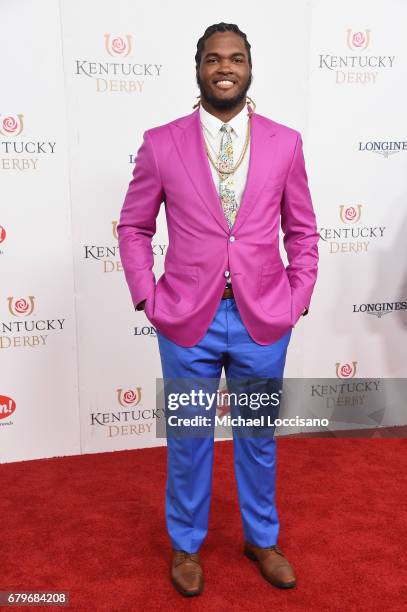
(227, 176)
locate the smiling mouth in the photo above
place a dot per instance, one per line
(224, 84)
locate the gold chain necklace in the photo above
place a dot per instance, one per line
(208, 143)
(239, 161)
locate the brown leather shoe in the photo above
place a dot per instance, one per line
(274, 566)
(186, 573)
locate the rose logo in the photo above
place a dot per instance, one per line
(114, 229)
(11, 125)
(357, 40)
(7, 406)
(346, 370)
(21, 307)
(118, 45)
(129, 398)
(2, 234)
(350, 214)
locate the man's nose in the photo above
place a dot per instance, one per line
(225, 69)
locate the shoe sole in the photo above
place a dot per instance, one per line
(186, 593)
(280, 585)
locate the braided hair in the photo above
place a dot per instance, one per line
(220, 27)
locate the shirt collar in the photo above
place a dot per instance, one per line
(213, 124)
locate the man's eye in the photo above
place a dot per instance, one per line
(238, 59)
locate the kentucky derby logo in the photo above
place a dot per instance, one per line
(7, 406)
(356, 68)
(346, 370)
(2, 234)
(118, 45)
(20, 152)
(21, 307)
(134, 420)
(11, 125)
(108, 254)
(351, 236)
(357, 40)
(129, 398)
(120, 75)
(24, 332)
(350, 214)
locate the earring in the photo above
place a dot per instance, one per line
(197, 103)
(251, 105)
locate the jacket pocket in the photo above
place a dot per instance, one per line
(176, 289)
(274, 292)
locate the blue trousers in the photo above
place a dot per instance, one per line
(227, 345)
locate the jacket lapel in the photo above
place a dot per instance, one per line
(263, 145)
(190, 144)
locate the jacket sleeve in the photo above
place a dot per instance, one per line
(298, 223)
(137, 224)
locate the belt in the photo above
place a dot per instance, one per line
(228, 293)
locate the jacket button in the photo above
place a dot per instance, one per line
(227, 273)
(232, 239)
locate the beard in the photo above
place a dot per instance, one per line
(224, 103)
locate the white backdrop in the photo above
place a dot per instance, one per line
(77, 364)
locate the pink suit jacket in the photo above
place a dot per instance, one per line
(172, 167)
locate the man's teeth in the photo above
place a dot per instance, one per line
(224, 84)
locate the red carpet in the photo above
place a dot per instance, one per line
(94, 525)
